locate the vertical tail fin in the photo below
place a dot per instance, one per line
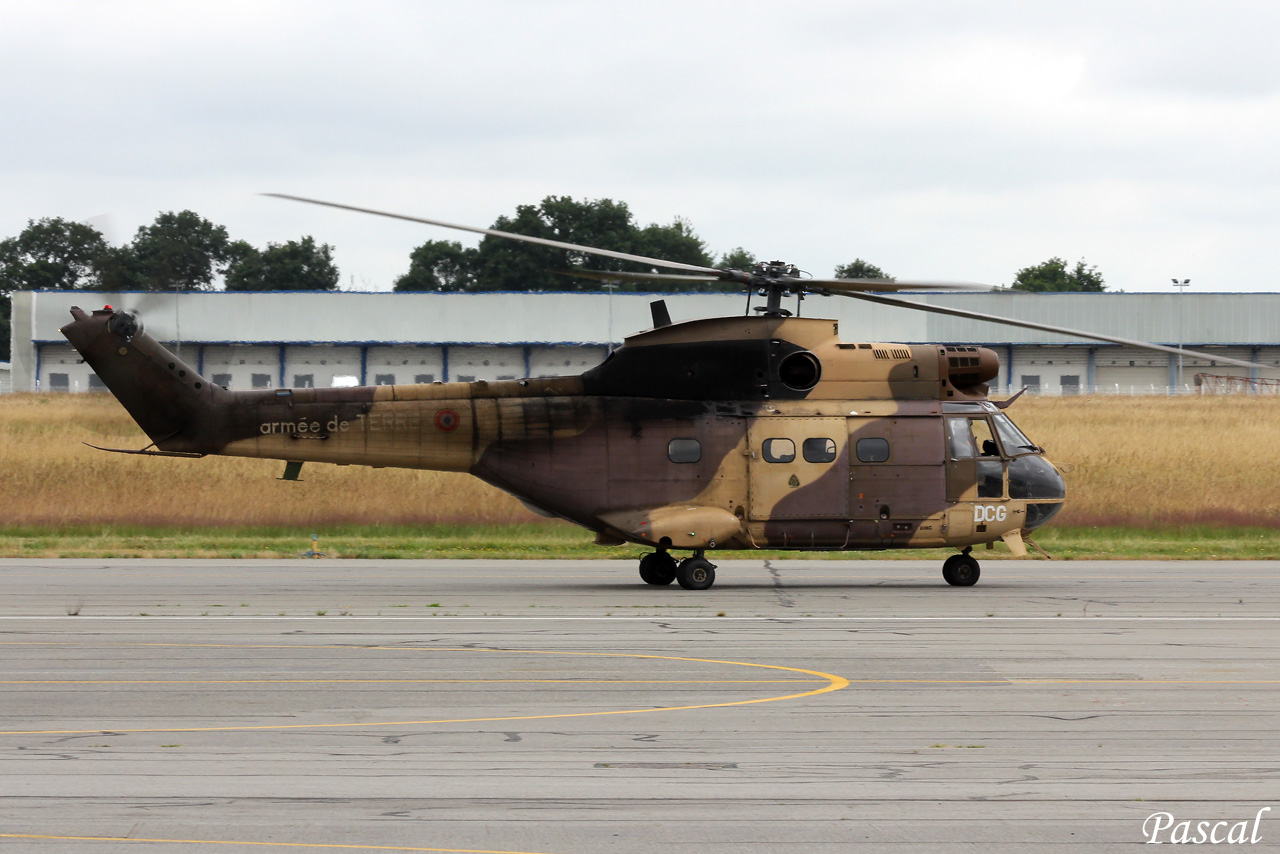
(177, 408)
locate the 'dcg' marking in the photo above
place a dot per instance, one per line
(834, 683)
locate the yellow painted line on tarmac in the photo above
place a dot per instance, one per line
(352, 647)
(1014, 680)
(1152, 681)
(405, 681)
(834, 683)
(1011, 680)
(325, 845)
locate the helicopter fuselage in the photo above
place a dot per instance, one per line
(724, 433)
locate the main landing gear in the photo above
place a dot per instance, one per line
(961, 570)
(693, 573)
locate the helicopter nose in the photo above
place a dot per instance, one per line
(1034, 478)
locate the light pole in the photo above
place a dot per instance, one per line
(177, 327)
(609, 348)
(1182, 289)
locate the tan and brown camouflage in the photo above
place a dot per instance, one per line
(724, 433)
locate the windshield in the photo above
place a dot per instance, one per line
(1014, 440)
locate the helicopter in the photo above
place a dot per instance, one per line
(715, 434)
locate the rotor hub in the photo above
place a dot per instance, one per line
(773, 280)
(773, 269)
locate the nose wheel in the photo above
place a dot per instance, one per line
(696, 573)
(961, 570)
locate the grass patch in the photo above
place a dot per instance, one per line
(559, 541)
(1185, 542)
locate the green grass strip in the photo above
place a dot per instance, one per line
(563, 541)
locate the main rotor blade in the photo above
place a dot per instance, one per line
(618, 276)
(542, 241)
(1045, 327)
(843, 286)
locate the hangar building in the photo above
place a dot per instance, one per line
(292, 339)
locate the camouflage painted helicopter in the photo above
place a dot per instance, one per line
(761, 431)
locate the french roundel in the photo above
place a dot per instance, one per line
(446, 420)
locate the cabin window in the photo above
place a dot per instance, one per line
(819, 450)
(778, 450)
(873, 450)
(684, 450)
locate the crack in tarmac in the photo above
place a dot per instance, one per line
(784, 600)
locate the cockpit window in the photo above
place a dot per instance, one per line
(987, 446)
(1014, 440)
(971, 437)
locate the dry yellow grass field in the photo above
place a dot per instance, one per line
(1135, 461)
(48, 477)
(1161, 461)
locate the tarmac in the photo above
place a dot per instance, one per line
(564, 707)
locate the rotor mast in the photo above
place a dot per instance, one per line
(772, 280)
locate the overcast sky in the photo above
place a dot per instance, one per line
(935, 139)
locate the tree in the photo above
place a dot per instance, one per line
(440, 265)
(859, 269)
(507, 265)
(298, 265)
(600, 224)
(180, 251)
(737, 259)
(1053, 275)
(502, 265)
(51, 254)
(118, 270)
(674, 242)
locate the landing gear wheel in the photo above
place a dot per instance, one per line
(658, 568)
(961, 571)
(696, 573)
